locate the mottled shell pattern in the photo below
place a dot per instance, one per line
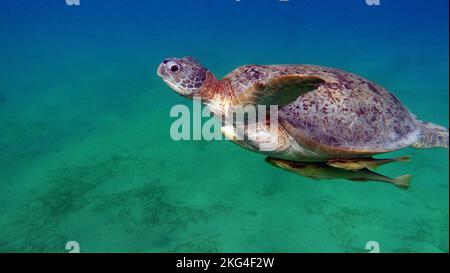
(346, 113)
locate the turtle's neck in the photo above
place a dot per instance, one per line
(216, 94)
(213, 89)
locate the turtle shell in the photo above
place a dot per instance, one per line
(346, 116)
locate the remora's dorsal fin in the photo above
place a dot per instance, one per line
(358, 164)
(278, 91)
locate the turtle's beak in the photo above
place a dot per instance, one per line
(160, 70)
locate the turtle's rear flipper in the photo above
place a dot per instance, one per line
(362, 163)
(431, 135)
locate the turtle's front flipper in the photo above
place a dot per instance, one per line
(278, 91)
(359, 164)
(321, 171)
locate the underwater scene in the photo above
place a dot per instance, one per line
(86, 153)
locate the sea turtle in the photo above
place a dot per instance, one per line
(325, 115)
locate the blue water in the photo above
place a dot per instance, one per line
(85, 149)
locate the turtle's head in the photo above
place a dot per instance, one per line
(185, 76)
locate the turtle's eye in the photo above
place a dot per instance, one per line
(171, 65)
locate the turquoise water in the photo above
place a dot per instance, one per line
(85, 149)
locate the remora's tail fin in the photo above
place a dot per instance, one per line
(431, 135)
(403, 182)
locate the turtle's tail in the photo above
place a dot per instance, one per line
(431, 135)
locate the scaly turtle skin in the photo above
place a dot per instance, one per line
(324, 113)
